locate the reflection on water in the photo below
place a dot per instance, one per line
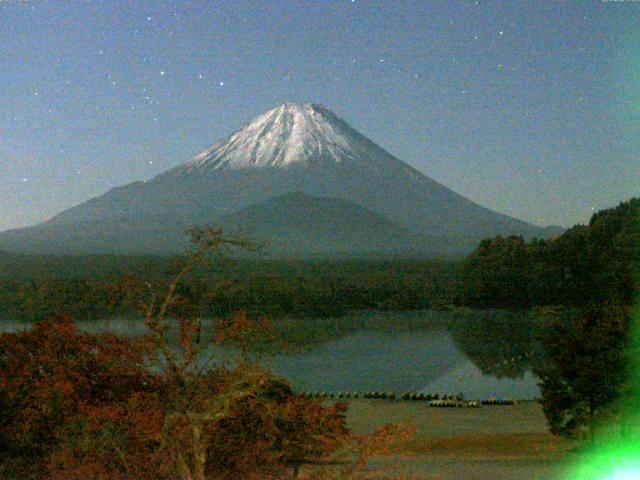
(500, 344)
(479, 354)
(371, 360)
(469, 380)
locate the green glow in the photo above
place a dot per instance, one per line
(615, 461)
(613, 458)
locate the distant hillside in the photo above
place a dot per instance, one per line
(294, 225)
(300, 225)
(158, 234)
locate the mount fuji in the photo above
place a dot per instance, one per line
(298, 177)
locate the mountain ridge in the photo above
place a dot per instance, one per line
(291, 148)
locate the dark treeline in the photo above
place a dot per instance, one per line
(34, 288)
(588, 264)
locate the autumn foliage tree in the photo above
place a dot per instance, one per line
(242, 423)
(52, 373)
(82, 406)
(76, 405)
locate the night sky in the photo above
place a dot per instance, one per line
(531, 108)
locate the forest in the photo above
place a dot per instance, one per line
(33, 288)
(588, 264)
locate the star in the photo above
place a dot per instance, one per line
(162, 73)
(222, 84)
(501, 32)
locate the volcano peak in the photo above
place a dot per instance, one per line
(295, 147)
(290, 134)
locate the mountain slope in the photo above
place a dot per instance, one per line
(292, 148)
(301, 225)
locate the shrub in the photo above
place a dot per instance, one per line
(49, 374)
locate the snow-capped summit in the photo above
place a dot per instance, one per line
(346, 185)
(291, 133)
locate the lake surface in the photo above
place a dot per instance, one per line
(406, 362)
(478, 354)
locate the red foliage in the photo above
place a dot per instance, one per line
(309, 431)
(111, 442)
(79, 406)
(50, 373)
(241, 330)
(266, 437)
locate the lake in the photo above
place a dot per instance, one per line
(478, 354)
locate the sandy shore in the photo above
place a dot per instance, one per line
(492, 442)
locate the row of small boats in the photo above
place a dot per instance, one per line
(435, 400)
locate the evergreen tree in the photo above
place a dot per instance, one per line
(584, 374)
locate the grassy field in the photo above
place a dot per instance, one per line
(491, 442)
